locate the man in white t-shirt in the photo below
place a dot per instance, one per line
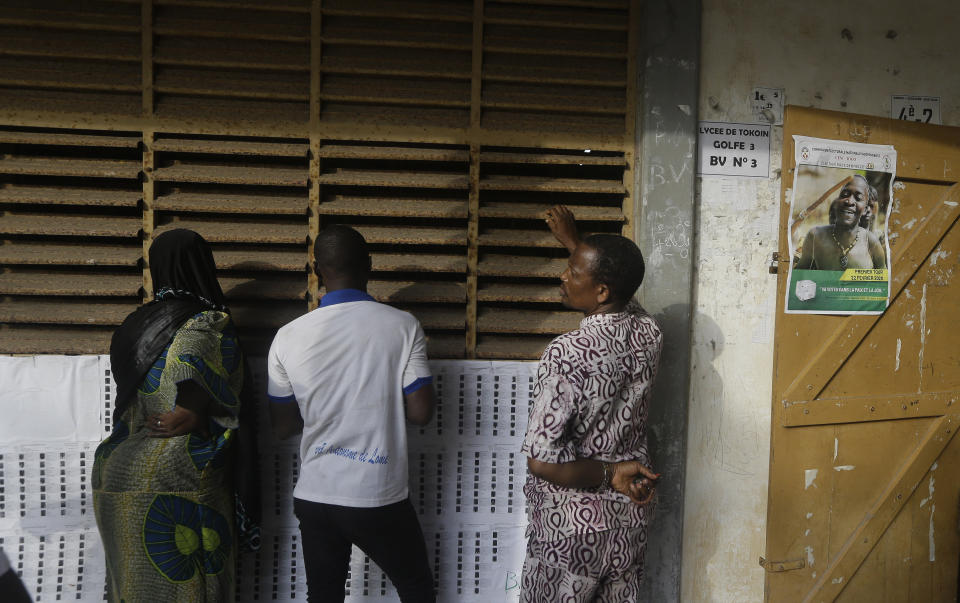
(348, 375)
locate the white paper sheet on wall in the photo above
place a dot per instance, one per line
(466, 480)
(50, 399)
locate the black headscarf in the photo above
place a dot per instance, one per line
(185, 281)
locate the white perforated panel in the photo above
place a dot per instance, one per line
(466, 479)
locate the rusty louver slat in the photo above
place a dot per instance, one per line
(63, 166)
(70, 312)
(533, 211)
(418, 262)
(26, 194)
(61, 224)
(495, 265)
(22, 41)
(63, 339)
(511, 348)
(16, 251)
(69, 283)
(518, 292)
(68, 138)
(343, 205)
(418, 292)
(234, 202)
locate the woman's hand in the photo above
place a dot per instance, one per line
(635, 480)
(189, 415)
(177, 422)
(563, 226)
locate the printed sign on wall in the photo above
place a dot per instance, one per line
(842, 193)
(924, 109)
(766, 104)
(727, 149)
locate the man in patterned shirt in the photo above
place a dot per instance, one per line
(589, 480)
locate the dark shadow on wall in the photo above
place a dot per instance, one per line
(666, 433)
(706, 402)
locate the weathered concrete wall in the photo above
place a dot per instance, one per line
(890, 47)
(666, 182)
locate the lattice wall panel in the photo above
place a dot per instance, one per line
(555, 65)
(70, 224)
(520, 261)
(402, 63)
(410, 203)
(248, 198)
(214, 60)
(71, 56)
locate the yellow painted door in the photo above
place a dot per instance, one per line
(864, 465)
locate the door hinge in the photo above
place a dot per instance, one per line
(782, 566)
(774, 263)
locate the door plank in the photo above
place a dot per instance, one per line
(881, 514)
(850, 332)
(828, 411)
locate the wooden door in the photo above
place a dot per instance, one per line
(864, 488)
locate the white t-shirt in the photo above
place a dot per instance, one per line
(348, 364)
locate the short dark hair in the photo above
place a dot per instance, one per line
(342, 250)
(618, 264)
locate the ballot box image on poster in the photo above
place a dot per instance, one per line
(806, 290)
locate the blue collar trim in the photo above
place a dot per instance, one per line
(342, 296)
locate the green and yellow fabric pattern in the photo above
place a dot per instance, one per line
(165, 506)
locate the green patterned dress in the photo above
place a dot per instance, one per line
(165, 506)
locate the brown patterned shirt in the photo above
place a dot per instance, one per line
(590, 401)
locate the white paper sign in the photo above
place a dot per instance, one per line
(727, 149)
(767, 105)
(924, 109)
(50, 399)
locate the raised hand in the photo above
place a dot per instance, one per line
(563, 226)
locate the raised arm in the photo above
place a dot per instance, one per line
(563, 226)
(877, 253)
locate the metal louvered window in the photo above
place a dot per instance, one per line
(441, 129)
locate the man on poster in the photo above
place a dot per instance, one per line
(589, 484)
(844, 243)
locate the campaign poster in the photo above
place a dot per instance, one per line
(839, 209)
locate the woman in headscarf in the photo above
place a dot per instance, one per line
(171, 506)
